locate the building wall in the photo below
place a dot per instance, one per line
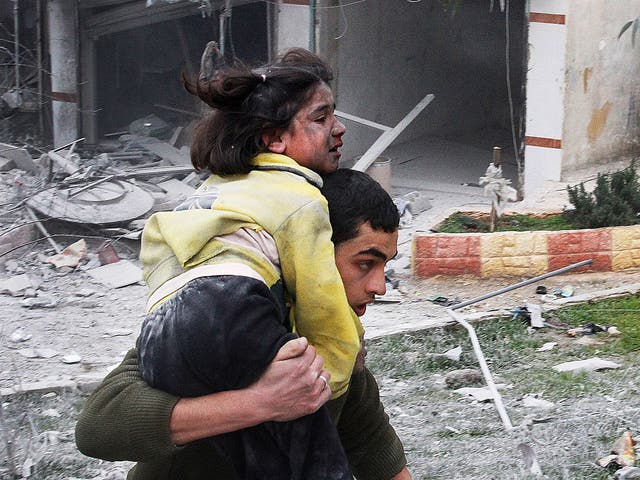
(602, 94)
(391, 54)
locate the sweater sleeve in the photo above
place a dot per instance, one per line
(373, 448)
(320, 310)
(125, 419)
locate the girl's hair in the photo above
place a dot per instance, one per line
(246, 103)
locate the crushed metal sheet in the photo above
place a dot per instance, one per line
(105, 203)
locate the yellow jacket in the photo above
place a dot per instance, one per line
(283, 199)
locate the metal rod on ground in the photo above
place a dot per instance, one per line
(497, 399)
(521, 284)
(53, 243)
(488, 378)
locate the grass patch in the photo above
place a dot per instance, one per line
(462, 222)
(623, 312)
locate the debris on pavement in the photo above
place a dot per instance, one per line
(442, 300)
(547, 346)
(37, 352)
(530, 459)
(452, 354)
(593, 329)
(116, 275)
(465, 377)
(589, 365)
(480, 394)
(532, 401)
(622, 454)
(71, 256)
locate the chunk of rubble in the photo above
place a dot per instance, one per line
(588, 365)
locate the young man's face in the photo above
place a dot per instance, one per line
(314, 137)
(361, 263)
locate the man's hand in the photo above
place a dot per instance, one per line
(291, 387)
(294, 384)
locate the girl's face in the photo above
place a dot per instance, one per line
(314, 136)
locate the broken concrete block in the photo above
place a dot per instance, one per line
(417, 202)
(116, 275)
(20, 156)
(17, 285)
(16, 238)
(463, 378)
(6, 164)
(589, 365)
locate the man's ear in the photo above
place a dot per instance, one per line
(274, 141)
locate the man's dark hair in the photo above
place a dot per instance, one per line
(355, 198)
(247, 103)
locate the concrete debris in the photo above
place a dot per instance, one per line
(547, 346)
(70, 256)
(627, 473)
(37, 352)
(532, 401)
(589, 365)
(116, 275)
(480, 394)
(530, 459)
(622, 455)
(19, 336)
(453, 355)
(465, 377)
(71, 358)
(41, 301)
(20, 157)
(17, 286)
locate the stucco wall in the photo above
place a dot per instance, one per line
(602, 92)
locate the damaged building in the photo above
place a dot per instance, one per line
(547, 81)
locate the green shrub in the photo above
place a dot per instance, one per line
(614, 201)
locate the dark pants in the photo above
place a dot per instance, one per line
(220, 333)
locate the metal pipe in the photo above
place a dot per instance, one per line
(497, 399)
(16, 27)
(312, 25)
(521, 284)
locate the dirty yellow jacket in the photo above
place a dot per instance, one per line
(283, 199)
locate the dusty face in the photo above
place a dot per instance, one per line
(315, 135)
(361, 263)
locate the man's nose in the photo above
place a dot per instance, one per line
(377, 284)
(338, 128)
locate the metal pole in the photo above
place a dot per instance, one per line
(497, 399)
(16, 27)
(521, 284)
(312, 25)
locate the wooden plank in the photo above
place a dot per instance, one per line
(389, 136)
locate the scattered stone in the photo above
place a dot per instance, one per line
(116, 275)
(19, 336)
(70, 256)
(531, 401)
(547, 346)
(589, 365)
(465, 377)
(117, 332)
(452, 354)
(481, 394)
(71, 358)
(16, 286)
(41, 301)
(37, 352)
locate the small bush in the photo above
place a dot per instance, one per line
(614, 201)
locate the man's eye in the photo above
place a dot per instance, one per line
(365, 265)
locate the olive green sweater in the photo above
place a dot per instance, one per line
(125, 419)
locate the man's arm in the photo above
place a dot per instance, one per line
(125, 419)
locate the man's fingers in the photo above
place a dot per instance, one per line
(292, 349)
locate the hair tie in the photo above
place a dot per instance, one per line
(264, 77)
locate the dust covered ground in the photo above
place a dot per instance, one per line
(78, 328)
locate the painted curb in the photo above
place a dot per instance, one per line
(507, 254)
